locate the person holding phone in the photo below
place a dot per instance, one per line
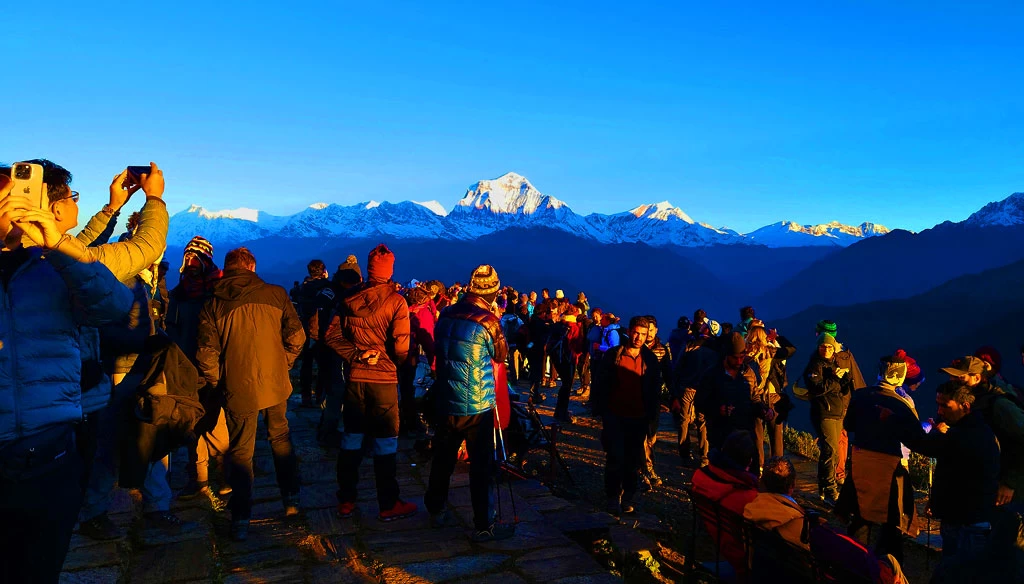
(46, 295)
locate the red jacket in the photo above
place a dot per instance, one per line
(732, 489)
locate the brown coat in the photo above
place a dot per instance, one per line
(249, 338)
(777, 513)
(371, 317)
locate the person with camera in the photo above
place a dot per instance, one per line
(46, 296)
(249, 338)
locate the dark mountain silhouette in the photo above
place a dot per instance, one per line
(951, 320)
(897, 265)
(754, 267)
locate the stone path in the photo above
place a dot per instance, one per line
(319, 547)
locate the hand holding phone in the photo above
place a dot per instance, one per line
(149, 178)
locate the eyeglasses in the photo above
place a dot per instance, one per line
(73, 196)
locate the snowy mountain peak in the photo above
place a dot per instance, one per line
(433, 206)
(1009, 211)
(509, 194)
(792, 234)
(242, 213)
(371, 204)
(319, 206)
(662, 211)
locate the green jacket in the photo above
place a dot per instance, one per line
(125, 259)
(1006, 419)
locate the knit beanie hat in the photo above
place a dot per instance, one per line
(827, 339)
(200, 248)
(914, 373)
(559, 294)
(348, 273)
(380, 265)
(735, 345)
(894, 369)
(827, 326)
(484, 281)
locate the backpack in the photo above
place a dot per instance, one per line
(557, 346)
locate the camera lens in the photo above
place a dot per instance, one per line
(22, 171)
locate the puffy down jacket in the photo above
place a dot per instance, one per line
(467, 340)
(42, 304)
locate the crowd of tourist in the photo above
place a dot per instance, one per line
(106, 372)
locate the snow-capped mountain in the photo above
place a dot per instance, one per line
(494, 205)
(790, 234)
(1009, 211)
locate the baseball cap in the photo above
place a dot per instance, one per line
(965, 366)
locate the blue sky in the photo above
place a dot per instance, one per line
(901, 113)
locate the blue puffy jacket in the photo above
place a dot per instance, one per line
(43, 302)
(467, 339)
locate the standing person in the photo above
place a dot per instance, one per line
(46, 295)
(780, 350)
(470, 349)
(626, 394)
(693, 365)
(565, 345)
(759, 353)
(1006, 418)
(966, 479)
(199, 275)
(371, 332)
(539, 327)
(249, 338)
(582, 302)
(828, 385)
(726, 393)
(878, 489)
(664, 355)
(844, 360)
(421, 327)
(678, 338)
(316, 296)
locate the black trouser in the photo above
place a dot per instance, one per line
(566, 370)
(583, 367)
(407, 413)
(320, 354)
(536, 358)
(828, 432)
(242, 445)
(37, 515)
(478, 432)
(623, 441)
(371, 410)
(773, 432)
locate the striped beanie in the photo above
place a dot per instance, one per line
(201, 248)
(484, 280)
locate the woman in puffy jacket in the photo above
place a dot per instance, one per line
(829, 387)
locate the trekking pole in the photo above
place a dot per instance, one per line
(503, 465)
(928, 538)
(497, 483)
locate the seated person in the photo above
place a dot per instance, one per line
(774, 508)
(728, 482)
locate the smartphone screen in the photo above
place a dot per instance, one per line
(138, 171)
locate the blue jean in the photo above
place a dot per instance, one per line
(156, 493)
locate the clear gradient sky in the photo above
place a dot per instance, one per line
(743, 113)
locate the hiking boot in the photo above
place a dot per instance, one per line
(654, 479)
(194, 489)
(291, 505)
(496, 532)
(645, 484)
(628, 508)
(99, 528)
(401, 510)
(224, 491)
(441, 518)
(239, 529)
(167, 522)
(346, 509)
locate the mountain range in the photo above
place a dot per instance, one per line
(490, 206)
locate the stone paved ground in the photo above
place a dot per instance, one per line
(319, 547)
(557, 539)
